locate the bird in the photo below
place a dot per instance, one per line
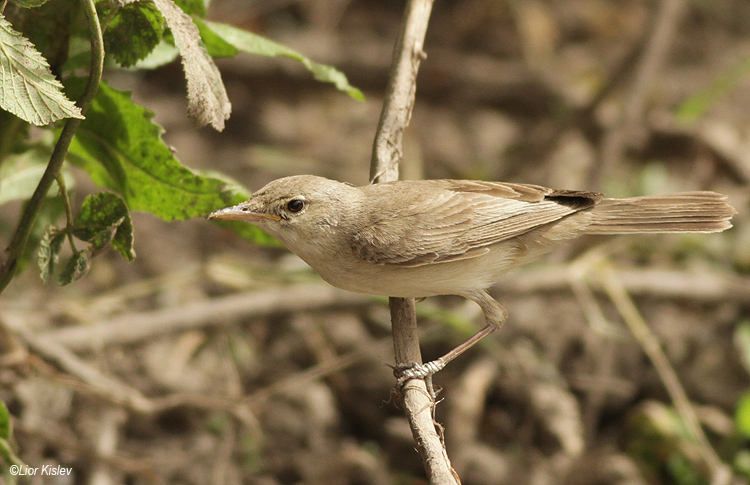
(422, 238)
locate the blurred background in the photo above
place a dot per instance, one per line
(213, 360)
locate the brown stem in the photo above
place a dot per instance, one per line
(386, 155)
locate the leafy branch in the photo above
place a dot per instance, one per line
(117, 143)
(21, 236)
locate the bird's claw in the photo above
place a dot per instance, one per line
(404, 372)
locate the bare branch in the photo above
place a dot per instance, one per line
(386, 155)
(402, 88)
(134, 327)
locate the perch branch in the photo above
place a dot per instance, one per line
(386, 155)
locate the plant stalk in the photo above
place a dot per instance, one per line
(34, 205)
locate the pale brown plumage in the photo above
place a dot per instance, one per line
(443, 220)
(433, 237)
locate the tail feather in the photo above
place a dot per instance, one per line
(682, 212)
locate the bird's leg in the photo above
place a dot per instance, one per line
(495, 316)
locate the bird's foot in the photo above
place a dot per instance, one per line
(404, 372)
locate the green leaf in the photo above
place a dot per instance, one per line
(27, 87)
(255, 44)
(6, 450)
(742, 415)
(51, 212)
(49, 251)
(6, 427)
(215, 44)
(121, 148)
(104, 218)
(193, 7)
(134, 32)
(6, 453)
(48, 27)
(163, 54)
(208, 102)
(76, 268)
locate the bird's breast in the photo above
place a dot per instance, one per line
(346, 271)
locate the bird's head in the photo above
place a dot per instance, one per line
(298, 210)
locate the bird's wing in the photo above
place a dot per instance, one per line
(444, 220)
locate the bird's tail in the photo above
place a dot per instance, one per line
(682, 212)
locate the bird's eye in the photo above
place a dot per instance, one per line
(295, 205)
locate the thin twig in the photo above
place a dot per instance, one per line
(696, 286)
(386, 155)
(97, 383)
(68, 211)
(135, 327)
(23, 230)
(402, 88)
(90, 381)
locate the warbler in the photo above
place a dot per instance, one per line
(420, 238)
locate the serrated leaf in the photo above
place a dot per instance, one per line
(51, 212)
(123, 240)
(47, 25)
(76, 268)
(104, 218)
(49, 252)
(134, 32)
(27, 87)
(99, 237)
(103, 237)
(121, 148)
(208, 102)
(255, 44)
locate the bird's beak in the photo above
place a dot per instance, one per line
(241, 213)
